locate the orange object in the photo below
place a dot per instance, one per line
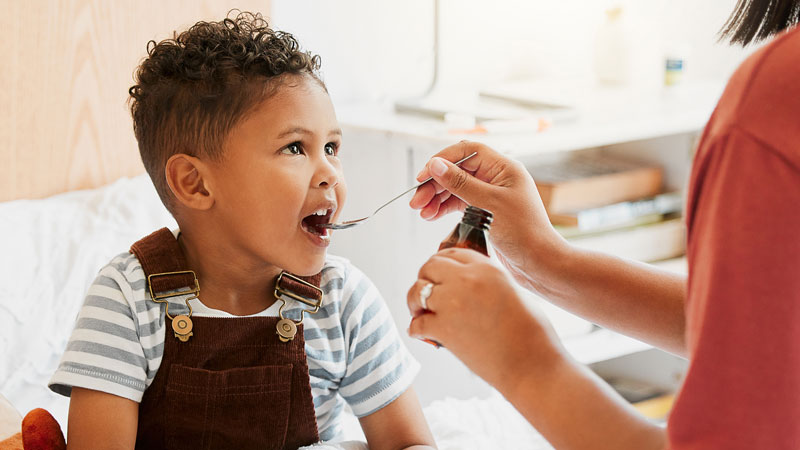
(535, 125)
(656, 408)
(40, 431)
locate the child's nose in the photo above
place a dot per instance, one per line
(327, 175)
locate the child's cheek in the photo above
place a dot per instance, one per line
(341, 198)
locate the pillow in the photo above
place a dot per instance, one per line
(52, 250)
(10, 420)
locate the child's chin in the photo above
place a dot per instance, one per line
(308, 268)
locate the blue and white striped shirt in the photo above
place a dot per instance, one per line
(354, 352)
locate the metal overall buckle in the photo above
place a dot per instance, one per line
(181, 324)
(287, 328)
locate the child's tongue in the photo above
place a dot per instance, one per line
(311, 223)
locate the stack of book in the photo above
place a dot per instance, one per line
(613, 205)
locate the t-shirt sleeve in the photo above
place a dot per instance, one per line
(743, 309)
(104, 352)
(379, 366)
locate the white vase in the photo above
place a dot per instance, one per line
(626, 50)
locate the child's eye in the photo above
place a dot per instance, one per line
(331, 149)
(293, 149)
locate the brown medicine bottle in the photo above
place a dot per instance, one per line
(471, 231)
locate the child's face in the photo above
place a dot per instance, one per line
(280, 166)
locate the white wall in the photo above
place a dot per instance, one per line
(377, 50)
(369, 49)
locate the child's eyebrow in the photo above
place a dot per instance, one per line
(301, 130)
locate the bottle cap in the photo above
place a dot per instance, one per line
(478, 217)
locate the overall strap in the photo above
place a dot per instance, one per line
(161, 255)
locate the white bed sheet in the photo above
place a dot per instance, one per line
(489, 423)
(53, 248)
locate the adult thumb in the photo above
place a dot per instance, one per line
(454, 179)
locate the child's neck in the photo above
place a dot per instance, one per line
(231, 286)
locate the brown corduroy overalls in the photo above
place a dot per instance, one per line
(233, 383)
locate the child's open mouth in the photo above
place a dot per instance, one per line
(310, 223)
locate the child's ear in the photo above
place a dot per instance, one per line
(186, 176)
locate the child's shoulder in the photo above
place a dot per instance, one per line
(341, 277)
(335, 265)
(126, 267)
(340, 267)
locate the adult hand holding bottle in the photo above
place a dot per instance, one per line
(470, 289)
(474, 310)
(633, 298)
(521, 229)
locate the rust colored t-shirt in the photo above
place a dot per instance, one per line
(742, 390)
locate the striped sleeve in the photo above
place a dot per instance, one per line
(104, 352)
(379, 367)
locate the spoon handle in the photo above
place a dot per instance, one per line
(423, 182)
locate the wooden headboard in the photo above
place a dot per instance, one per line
(67, 67)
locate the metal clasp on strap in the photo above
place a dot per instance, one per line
(157, 298)
(287, 328)
(315, 303)
(181, 324)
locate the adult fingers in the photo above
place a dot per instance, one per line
(431, 210)
(423, 196)
(461, 255)
(414, 298)
(454, 153)
(458, 181)
(452, 204)
(475, 173)
(425, 327)
(438, 269)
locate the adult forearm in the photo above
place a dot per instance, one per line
(573, 409)
(636, 299)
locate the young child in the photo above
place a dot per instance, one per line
(240, 138)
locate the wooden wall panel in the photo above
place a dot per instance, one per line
(66, 69)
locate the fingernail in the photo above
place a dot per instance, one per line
(438, 167)
(431, 341)
(419, 175)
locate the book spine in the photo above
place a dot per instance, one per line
(621, 213)
(598, 191)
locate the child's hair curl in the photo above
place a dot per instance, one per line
(193, 89)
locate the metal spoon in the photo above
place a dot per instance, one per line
(352, 223)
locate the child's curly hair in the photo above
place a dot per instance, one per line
(193, 89)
